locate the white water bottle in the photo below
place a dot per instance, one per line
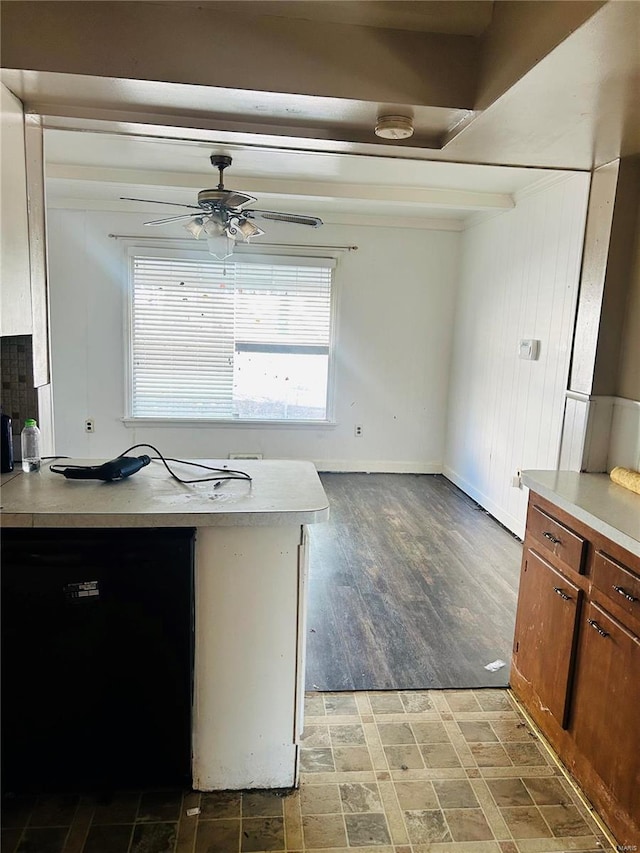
(30, 443)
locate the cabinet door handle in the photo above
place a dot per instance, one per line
(624, 592)
(561, 593)
(595, 625)
(551, 537)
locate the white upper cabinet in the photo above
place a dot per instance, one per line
(15, 305)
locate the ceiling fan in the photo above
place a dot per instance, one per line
(222, 217)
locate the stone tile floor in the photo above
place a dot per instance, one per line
(390, 772)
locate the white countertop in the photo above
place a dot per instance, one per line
(282, 492)
(594, 499)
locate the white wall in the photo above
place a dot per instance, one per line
(395, 315)
(519, 279)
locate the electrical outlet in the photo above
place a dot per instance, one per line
(357, 430)
(516, 481)
(89, 425)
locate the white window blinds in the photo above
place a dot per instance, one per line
(283, 305)
(191, 318)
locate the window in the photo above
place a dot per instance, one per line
(248, 340)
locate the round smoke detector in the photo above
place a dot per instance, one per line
(394, 127)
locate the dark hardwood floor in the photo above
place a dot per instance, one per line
(412, 586)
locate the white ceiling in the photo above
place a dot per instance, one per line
(98, 168)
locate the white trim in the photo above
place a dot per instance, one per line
(200, 423)
(38, 261)
(550, 179)
(579, 396)
(127, 278)
(376, 466)
(515, 525)
(46, 420)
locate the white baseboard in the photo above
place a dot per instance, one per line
(515, 525)
(375, 466)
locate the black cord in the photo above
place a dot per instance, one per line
(222, 474)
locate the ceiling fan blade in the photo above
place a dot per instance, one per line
(172, 219)
(276, 216)
(152, 201)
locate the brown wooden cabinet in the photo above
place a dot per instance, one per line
(606, 725)
(545, 631)
(576, 657)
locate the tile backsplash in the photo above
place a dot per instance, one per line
(19, 397)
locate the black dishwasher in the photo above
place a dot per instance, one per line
(97, 658)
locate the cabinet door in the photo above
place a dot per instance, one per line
(606, 702)
(15, 317)
(545, 632)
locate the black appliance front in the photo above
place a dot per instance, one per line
(97, 658)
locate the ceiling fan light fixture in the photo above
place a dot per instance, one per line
(220, 245)
(212, 226)
(247, 229)
(195, 227)
(394, 127)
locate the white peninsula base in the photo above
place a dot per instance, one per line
(249, 659)
(250, 579)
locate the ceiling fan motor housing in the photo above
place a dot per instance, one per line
(211, 198)
(220, 198)
(220, 161)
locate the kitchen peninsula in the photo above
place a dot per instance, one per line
(250, 573)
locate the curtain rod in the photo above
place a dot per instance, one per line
(252, 245)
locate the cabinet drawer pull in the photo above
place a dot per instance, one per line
(624, 592)
(561, 593)
(551, 537)
(595, 625)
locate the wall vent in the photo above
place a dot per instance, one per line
(245, 456)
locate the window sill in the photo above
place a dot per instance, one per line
(224, 422)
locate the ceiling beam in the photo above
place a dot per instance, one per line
(283, 188)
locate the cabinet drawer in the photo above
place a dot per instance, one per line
(554, 539)
(617, 583)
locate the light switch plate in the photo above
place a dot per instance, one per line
(529, 349)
